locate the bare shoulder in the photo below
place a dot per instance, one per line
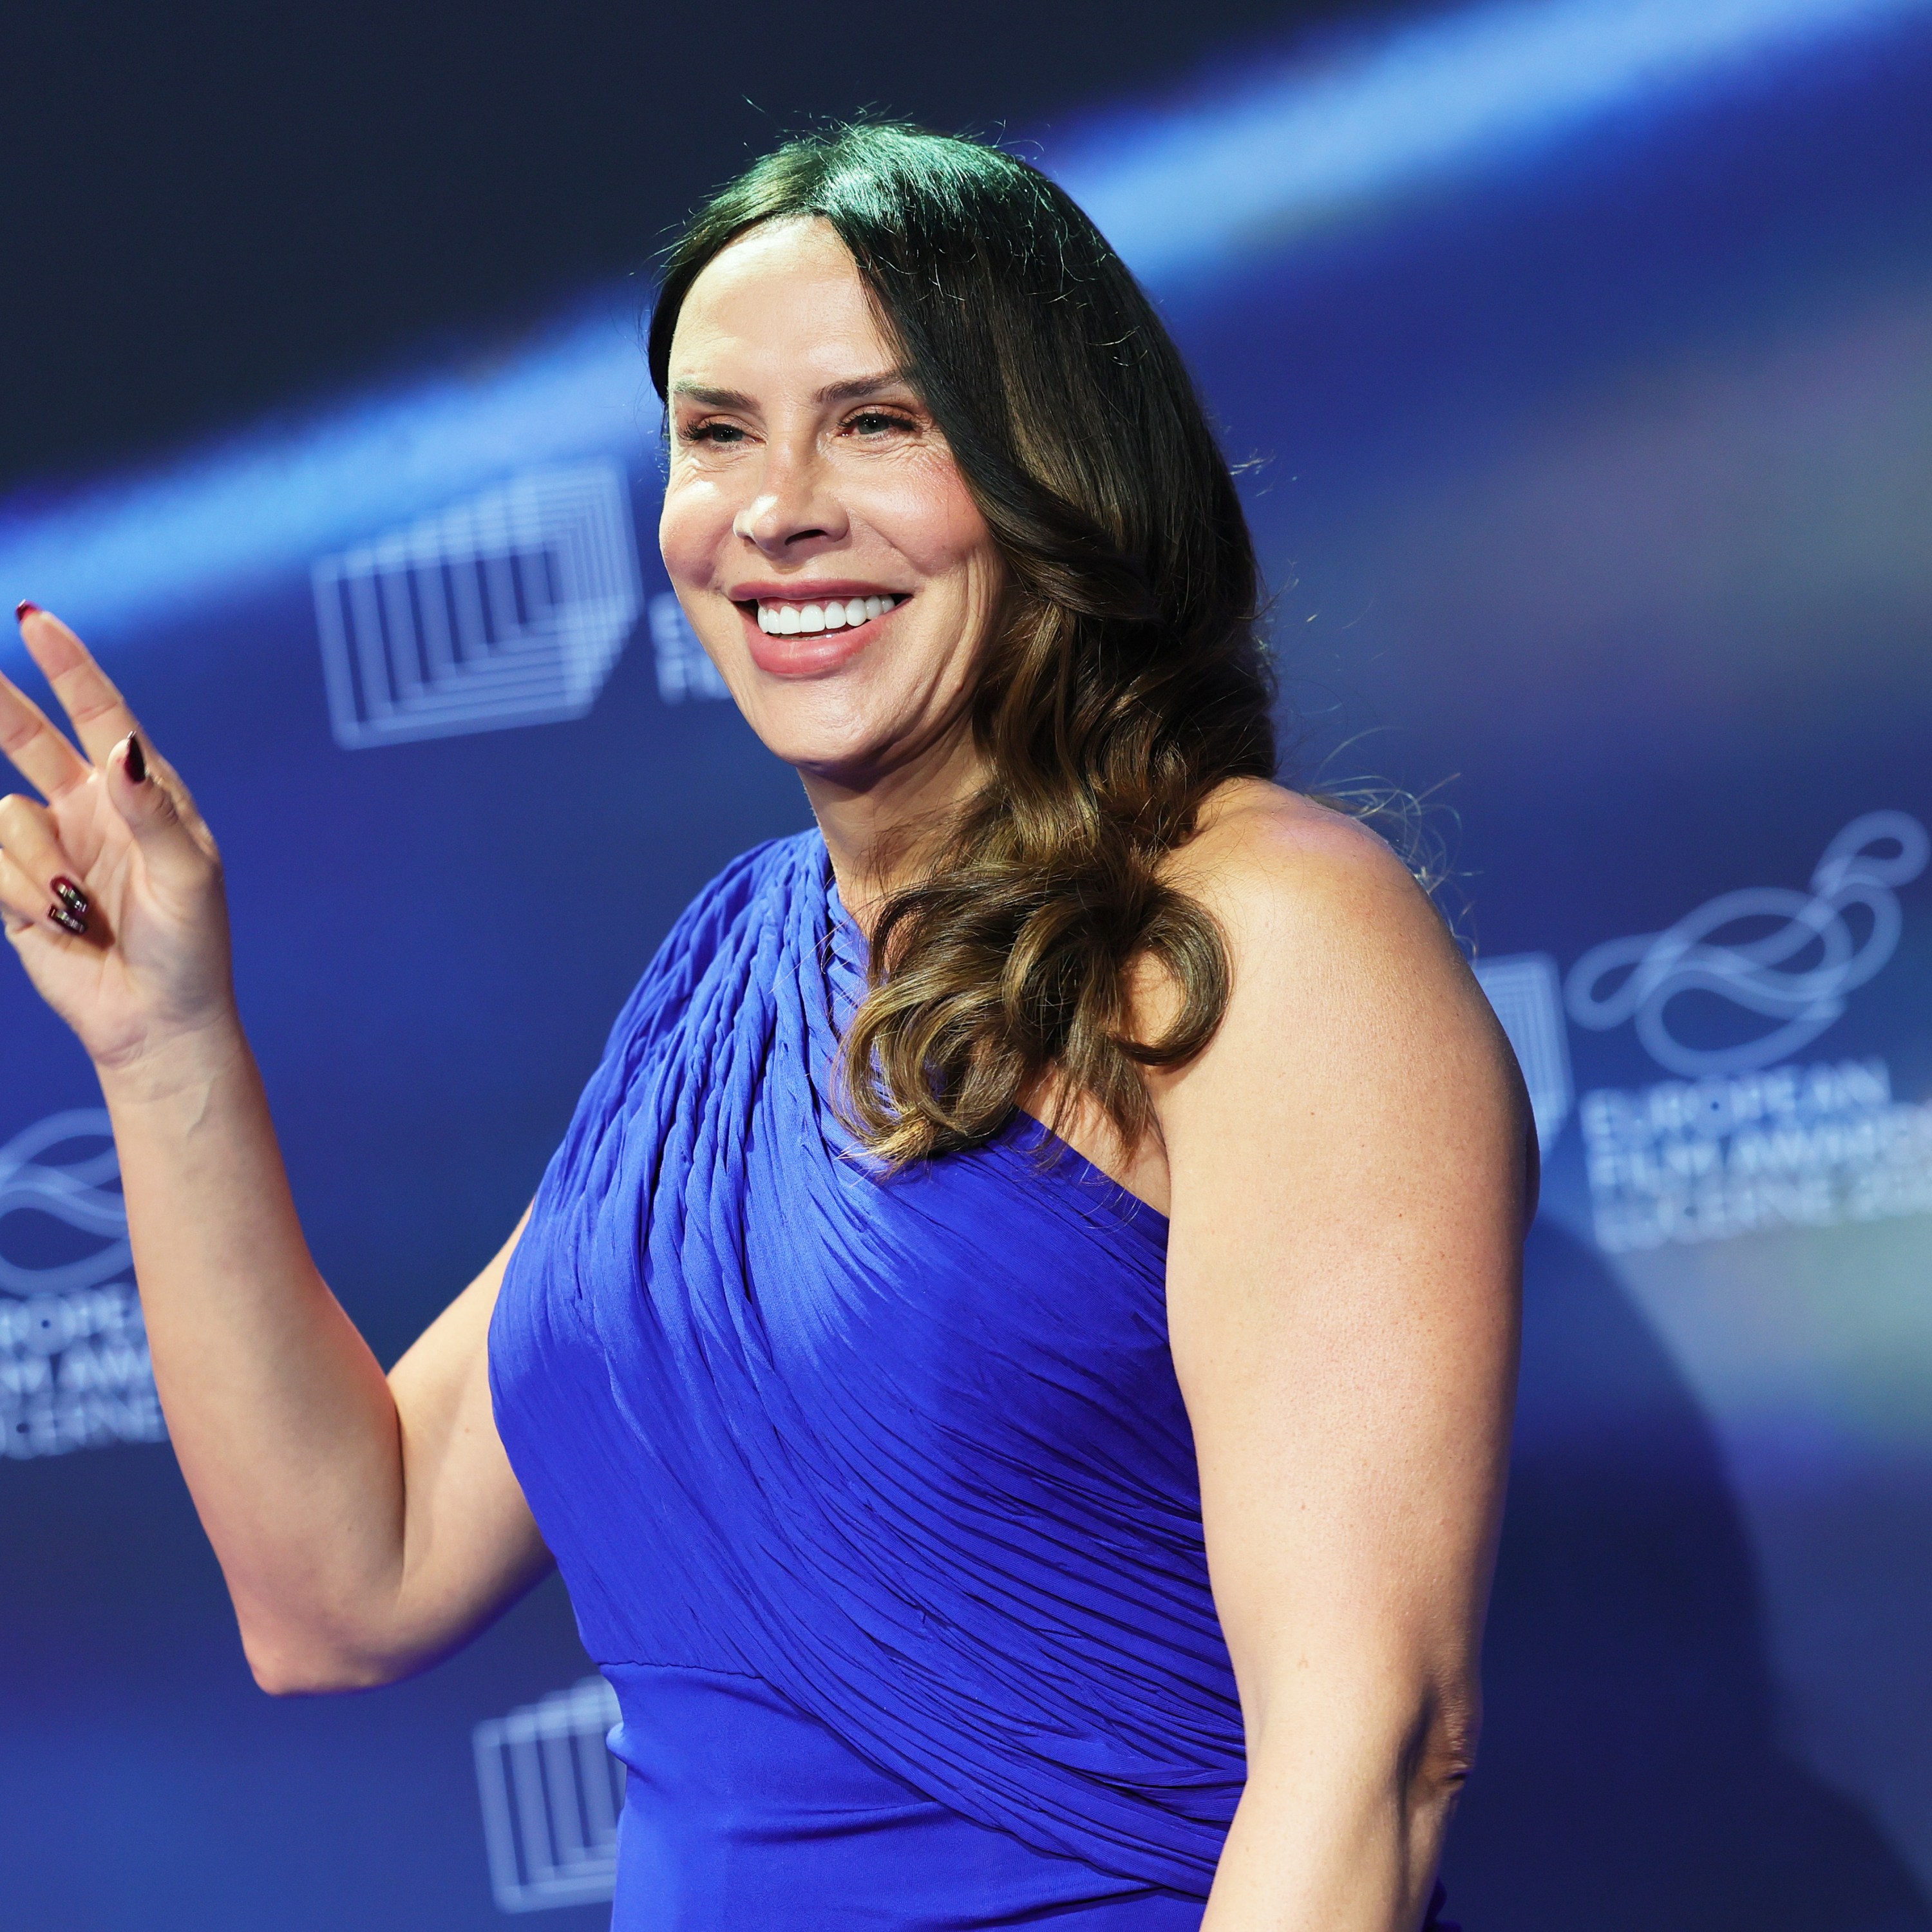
(1345, 980)
(1280, 871)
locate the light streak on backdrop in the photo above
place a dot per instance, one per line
(1260, 160)
(1177, 192)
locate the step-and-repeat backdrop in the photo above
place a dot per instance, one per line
(1583, 352)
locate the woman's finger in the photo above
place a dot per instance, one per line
(31, 841)
(146, 796)
(23, 903)
(97, 712)
(34, 749)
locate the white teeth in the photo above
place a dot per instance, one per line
(786, 620)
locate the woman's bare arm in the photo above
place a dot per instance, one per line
(364, 1523)
(1348, 1171)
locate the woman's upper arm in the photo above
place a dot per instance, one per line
(470, 1544)
(1348, 1172)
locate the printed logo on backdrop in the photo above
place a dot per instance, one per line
(508, 609)
(684, 670)
(1523, 989)
(1743, 1138)
(1791, 978)
(551, 1793)
(74, 1350)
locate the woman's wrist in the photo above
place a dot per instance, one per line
(185, 1060)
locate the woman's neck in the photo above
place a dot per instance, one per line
(879, 831)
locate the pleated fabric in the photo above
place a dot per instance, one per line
(900, 1460)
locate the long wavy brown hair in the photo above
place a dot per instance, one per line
(1126, 680)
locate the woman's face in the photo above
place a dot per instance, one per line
(816, 528)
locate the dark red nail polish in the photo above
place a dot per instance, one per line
(137, 760)
(25, 608)
(62, 917)
(71, 895)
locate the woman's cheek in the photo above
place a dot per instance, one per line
(685, 538)
(929, 518)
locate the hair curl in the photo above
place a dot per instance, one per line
(1126, 681)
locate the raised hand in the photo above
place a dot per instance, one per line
(363, 1529)
(111, 890)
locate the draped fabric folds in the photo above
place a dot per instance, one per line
(908, 1451)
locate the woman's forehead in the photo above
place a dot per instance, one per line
(785, 296)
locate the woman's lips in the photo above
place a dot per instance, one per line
(808, 653)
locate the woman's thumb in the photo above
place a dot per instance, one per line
(146, 800)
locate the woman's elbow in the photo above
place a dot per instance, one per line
(317, 1664)
(1443, 1748)
(1411, 1745)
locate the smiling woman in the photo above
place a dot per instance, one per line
(984, 408)
(982, 1521)
(807, 474)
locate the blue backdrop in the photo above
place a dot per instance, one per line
(1581, 351)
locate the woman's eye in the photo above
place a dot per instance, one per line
(877, 422)
(714, 432)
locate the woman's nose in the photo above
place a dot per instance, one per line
(793, 508)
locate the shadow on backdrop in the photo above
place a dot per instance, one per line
(1631, 1774)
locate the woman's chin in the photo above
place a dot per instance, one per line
(809, 743)
(851, 758)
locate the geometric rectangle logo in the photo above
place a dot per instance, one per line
(551, 1794)
(508, 609)
(1525, 992)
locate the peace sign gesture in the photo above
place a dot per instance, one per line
(111, 890)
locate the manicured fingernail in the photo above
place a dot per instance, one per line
(61, 916)
(71, 895)
(25, 608)
(137, 761)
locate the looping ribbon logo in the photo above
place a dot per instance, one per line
(1796, 975)
(75, 1193)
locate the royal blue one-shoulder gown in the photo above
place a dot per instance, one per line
(875, 1496)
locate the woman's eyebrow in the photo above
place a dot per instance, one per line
(712, 399)
(856, 387)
